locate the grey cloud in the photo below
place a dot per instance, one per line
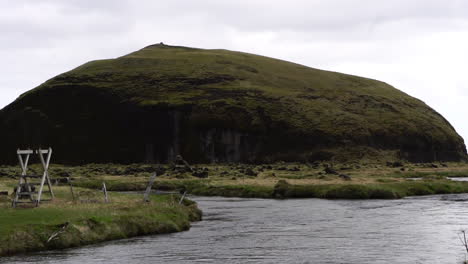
(42, 23)
(313, 15)
(318, 21)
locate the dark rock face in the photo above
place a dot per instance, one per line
(220, 106)
(122, 133)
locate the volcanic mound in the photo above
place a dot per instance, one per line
(221, 106)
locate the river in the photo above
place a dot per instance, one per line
(234, 230)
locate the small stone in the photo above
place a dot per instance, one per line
(329, 170)
(345, 177)
(395, 164)
(200, 174)
(250, 172)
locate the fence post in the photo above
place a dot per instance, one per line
(148, 187)
(104, 189)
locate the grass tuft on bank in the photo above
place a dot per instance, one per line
(76, 224)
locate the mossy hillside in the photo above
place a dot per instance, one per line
(29, 229)
(167, 97)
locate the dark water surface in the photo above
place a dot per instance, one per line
(234, 230)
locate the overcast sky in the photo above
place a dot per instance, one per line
(418, 46)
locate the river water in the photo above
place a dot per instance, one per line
(234, 230)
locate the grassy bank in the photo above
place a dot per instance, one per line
(371, 191)
(372, 181)
(279, 180)
(283, 189)
(76, 223)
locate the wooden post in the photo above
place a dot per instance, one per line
(71, 188)
(182, 198)
(148, 188)
(104, 189)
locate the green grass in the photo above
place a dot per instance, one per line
(28, 229)
(386, 188)
(368, 181)
(430, 174)
(376, 191)
(113, 185)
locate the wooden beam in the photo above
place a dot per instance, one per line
(27, 151)
(43, 151)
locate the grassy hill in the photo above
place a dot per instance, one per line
(220, 105)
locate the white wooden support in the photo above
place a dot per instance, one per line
(24, 186)
(25, 172)
(22, 152)
(24, 163)
(49, 156)
(22, 180)
(43, 151)
(148, 188)
(45, 175)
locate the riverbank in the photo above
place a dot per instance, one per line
(64, 223)
(289, 180)
(283, 189)
(282, 180)
(420, 229)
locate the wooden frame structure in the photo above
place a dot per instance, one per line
(25, 186)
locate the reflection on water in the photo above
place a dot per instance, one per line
(458, 178)
(234, 230)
